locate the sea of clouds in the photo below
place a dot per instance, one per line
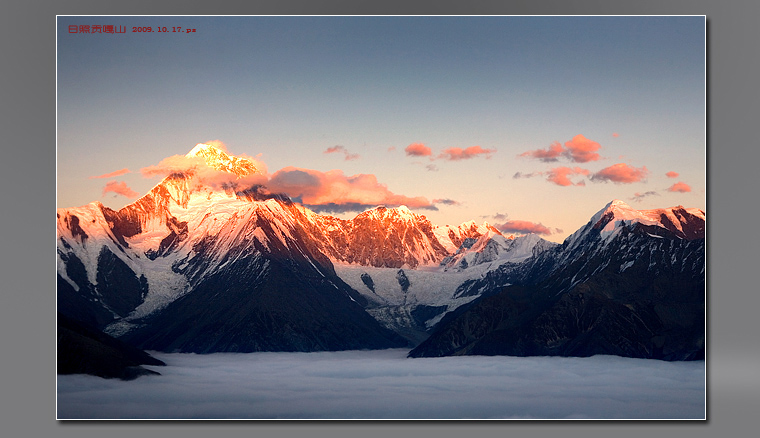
(386, 385)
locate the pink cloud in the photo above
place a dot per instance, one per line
(348, 156)
(418, 150)
(547, 155)
(334, 190)
(621, 173)
(578, 150)
(455, 154)
(615, 134)
(523, 227)
(672, 174)
(582, 150)
(120, 188)
(392, 148)
(561, 175)
(680, 187)
(112, 174)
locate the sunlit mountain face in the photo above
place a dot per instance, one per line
(211, 260)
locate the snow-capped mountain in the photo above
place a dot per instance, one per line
(209, 260)
(630, 283)
(123, 270)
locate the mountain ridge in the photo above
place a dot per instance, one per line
(125, 271)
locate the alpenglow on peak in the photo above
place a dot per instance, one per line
(218, 159)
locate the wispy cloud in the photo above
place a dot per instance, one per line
(621, 173)
(680, 187)
(456, 154)
(519, 175)
(446, 202)
(341, 149)
(638, 197)
(112, 174)
(120, 188)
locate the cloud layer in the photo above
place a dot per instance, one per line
(386, 385)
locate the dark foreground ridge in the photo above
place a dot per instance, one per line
(84, 350)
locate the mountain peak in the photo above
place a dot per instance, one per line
(215, 157)
(685, 223)
(401, 212)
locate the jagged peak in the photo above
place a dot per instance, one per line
(617, 213)
(217, 158)
(401, 212)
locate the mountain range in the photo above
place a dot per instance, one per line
(210, 260)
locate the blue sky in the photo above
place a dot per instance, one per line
(285, 90)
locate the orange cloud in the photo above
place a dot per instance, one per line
(680, 187)
(120, 188)
(672, 174)
(455, 154)
(582, 150)
(615, 134)
(112, 174)
(561, 175)
(418, 150)
(621, 173)
(348, 156)
(523, 227)
(334, 191)
(545, 155)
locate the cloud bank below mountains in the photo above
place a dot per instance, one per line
(386, 385)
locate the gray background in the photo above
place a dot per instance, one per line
(27, 169)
